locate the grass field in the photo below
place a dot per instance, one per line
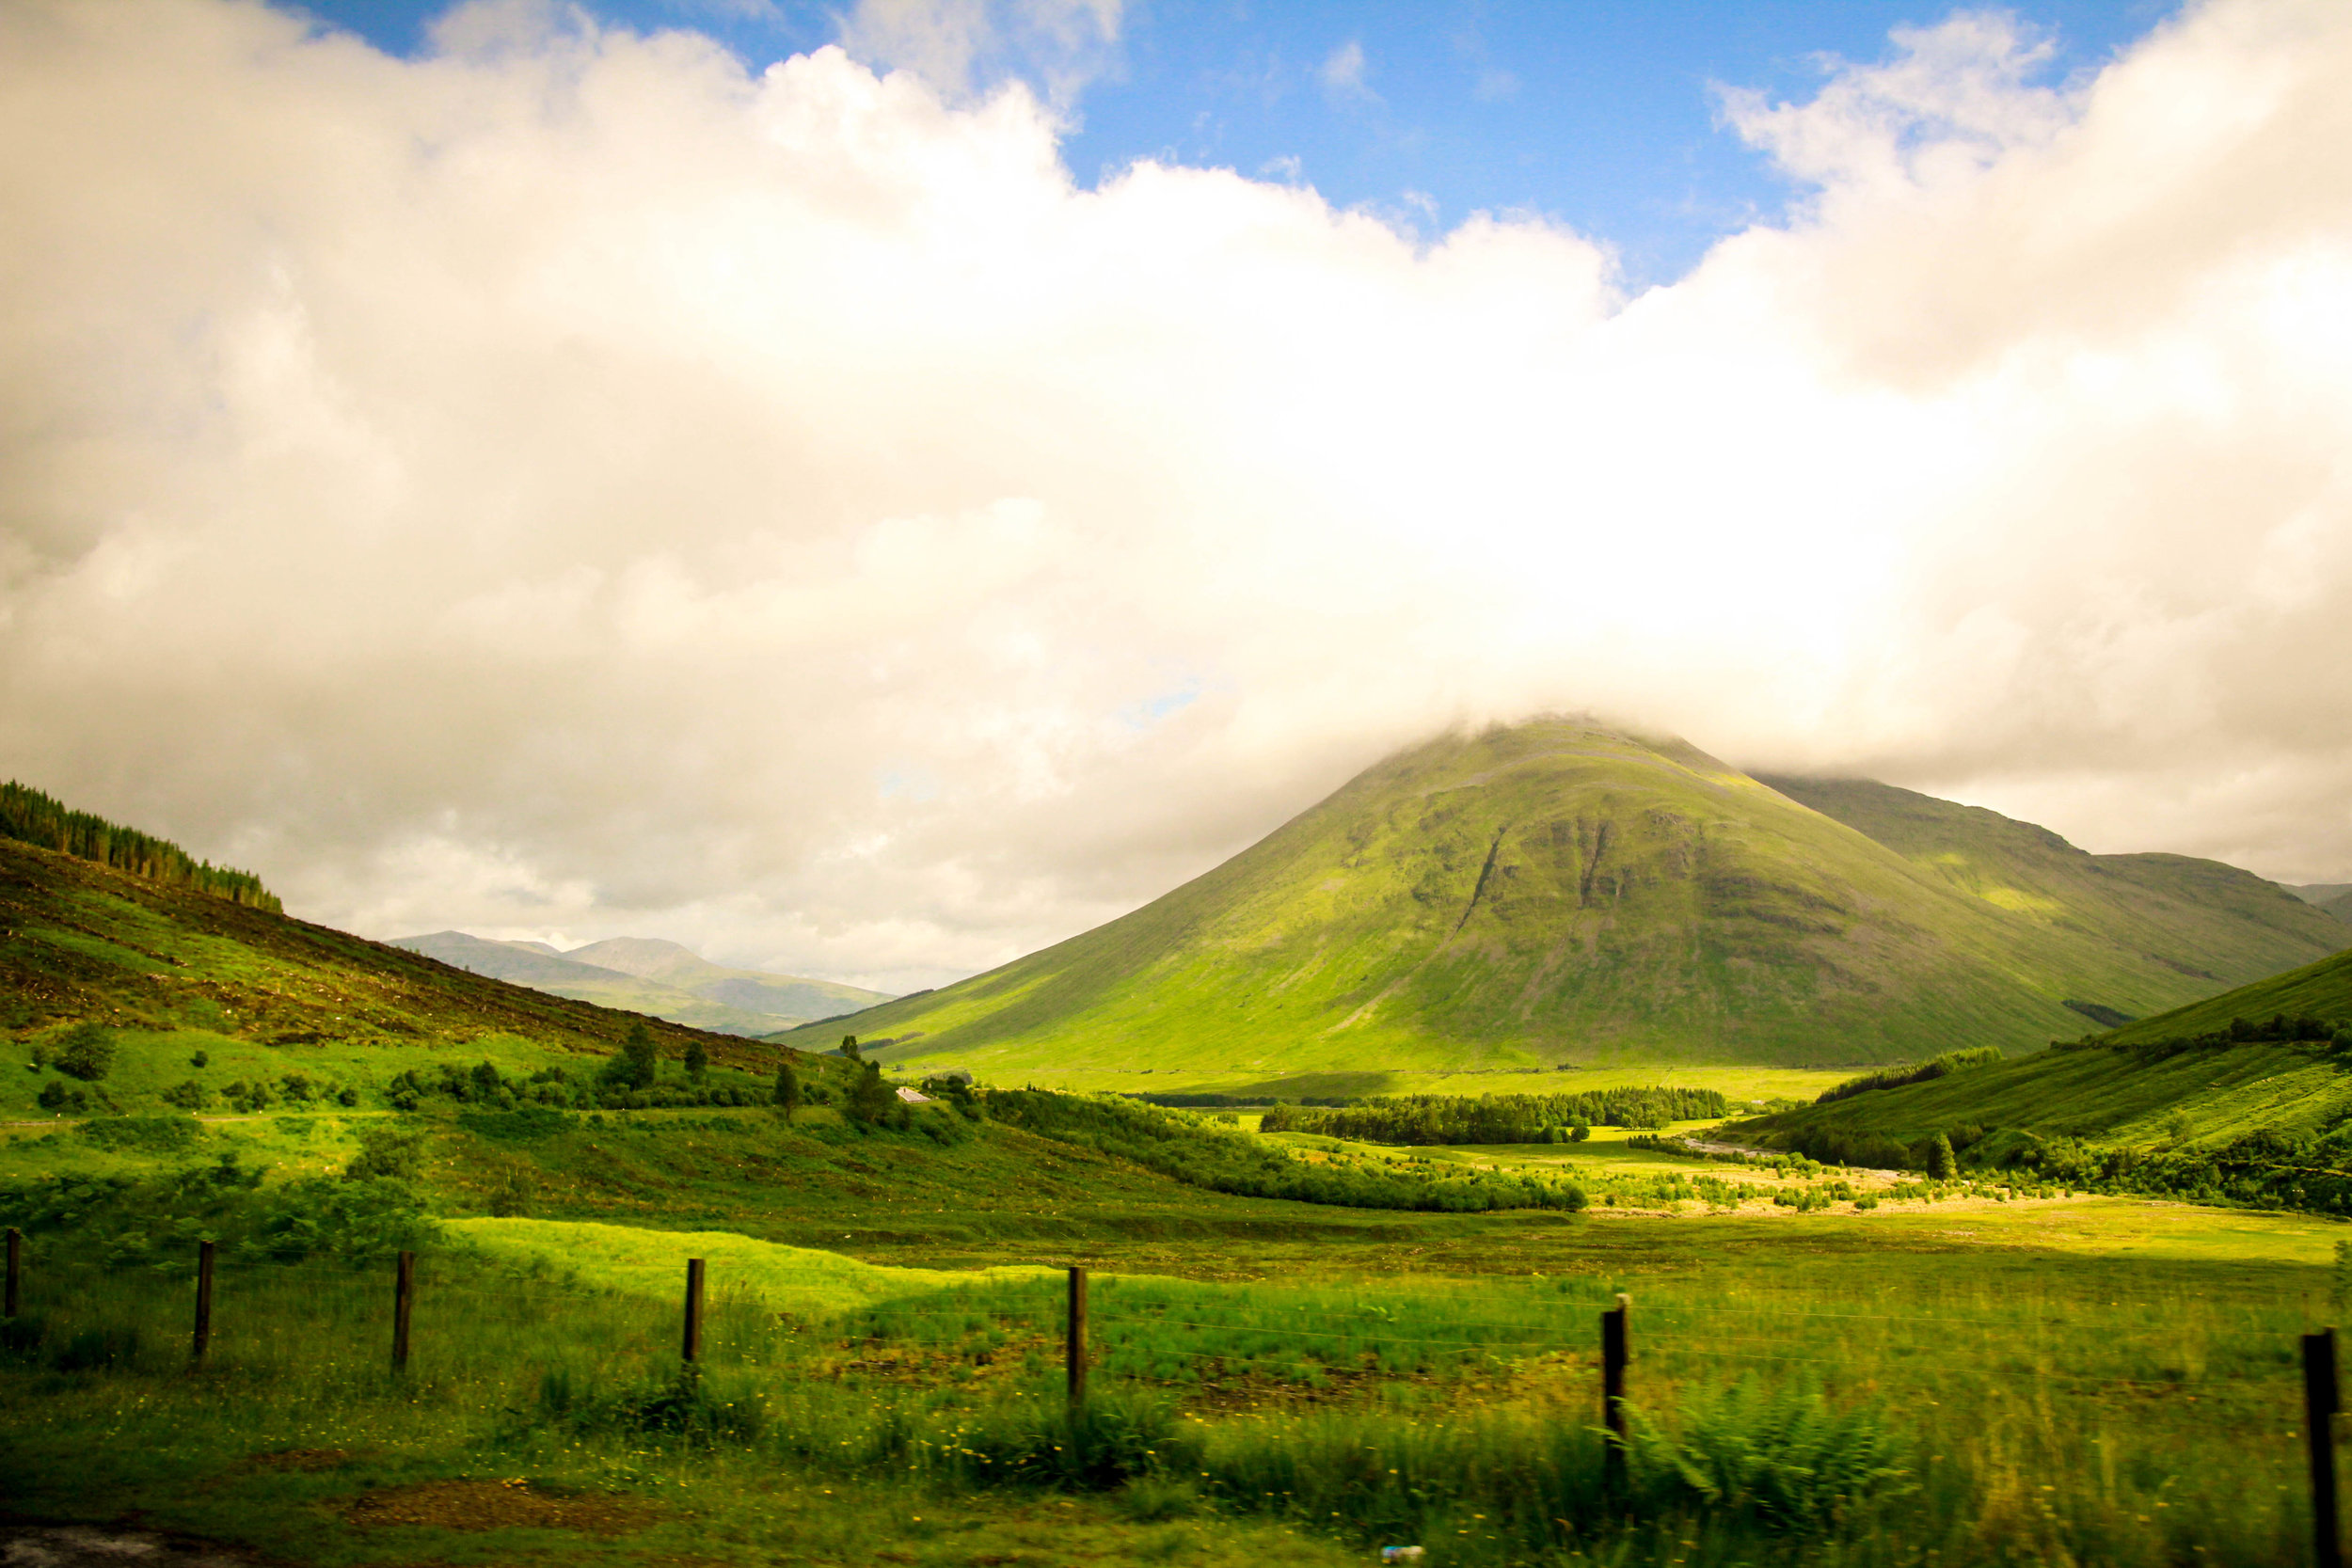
(2090, 1382)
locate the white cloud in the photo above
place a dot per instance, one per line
(961, 46)
(1343, 71)
(566, 484)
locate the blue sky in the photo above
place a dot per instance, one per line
(1603, 116)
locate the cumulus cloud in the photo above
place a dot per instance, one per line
(567, 486)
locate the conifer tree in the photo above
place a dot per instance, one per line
(1942, 1166)
(787, 1089)
(697, 1060)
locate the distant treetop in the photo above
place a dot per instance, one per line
(30, 817)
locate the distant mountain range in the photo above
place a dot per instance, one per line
(2335, 897)
(1559, 893)
(644, 975)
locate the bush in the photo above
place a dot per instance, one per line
(188, 1096)
(87, 1052)
(388, 1152)
(148, 1134)
(57, 1097)
(683, 1406)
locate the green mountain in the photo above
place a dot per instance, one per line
(1559, 893)
(2195, 918)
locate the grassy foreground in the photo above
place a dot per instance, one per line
(2088, 1382)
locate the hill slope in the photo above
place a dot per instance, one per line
(2197, 918)
(2335, 897)
(1558, 892)
(2170, 1103)
(168, 971)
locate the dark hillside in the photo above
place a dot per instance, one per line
(83, 942)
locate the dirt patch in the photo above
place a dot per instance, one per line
(499, 1505)
(303, 1459)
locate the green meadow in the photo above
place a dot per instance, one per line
(1981, 1376)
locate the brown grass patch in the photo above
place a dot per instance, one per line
(498, 1505)
(304, 1459)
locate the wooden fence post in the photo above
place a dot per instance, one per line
(692, 1348)
(1077, 1341)
(403, 1291)
(203, 1301)
(1615, 1350)
(16, 1268)
(2320, 1402)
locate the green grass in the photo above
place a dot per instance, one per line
(2054, 1405)
(651, 1264)
(1558, 893)
(171, 972)
(2322, 989)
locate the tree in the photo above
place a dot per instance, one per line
(87, 1052)
(397, 1152)
(636, 1065)
(787, 1089)
(486, 1081)
(872, 1098)
(697, 1059)
(1942, 1166)
(1581, 1132)
(849, 1048)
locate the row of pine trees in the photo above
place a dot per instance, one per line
(30, 817)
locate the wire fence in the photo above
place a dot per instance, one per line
(444, 1321)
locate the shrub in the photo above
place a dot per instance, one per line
(388, 1152)
(188, 1095)
(697, 1059)
(54, 1096)
(87, 1052)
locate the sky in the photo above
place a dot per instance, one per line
(871, 491)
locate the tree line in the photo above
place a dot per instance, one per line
(1501, 1119)
(30, 817)
(1184, 1148)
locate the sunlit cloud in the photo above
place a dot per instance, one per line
(566, 483)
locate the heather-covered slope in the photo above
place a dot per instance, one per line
(1558, 892)
(168, 971)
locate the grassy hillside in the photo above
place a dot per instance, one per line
(542, 968)
(2247, 1095)
(168, 972)
(2195, 918)
(2322, 989)
(2335, 897)
(1557, 892)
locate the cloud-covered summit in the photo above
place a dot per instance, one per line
(565, 484)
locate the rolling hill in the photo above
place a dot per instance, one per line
(2193, 1100)
(170, 971)
(2335, 897)
(646, 975)
(1560, 893)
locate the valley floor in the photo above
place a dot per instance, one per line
(2055, 1376)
